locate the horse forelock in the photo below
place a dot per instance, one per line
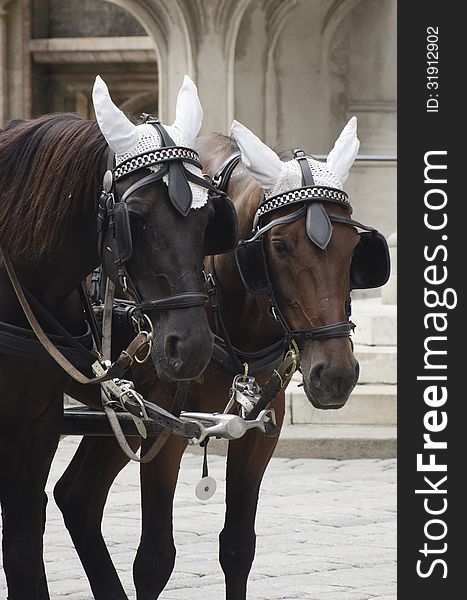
(50, 170)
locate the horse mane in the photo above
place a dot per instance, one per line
(50, 170)
(214, 149)
(224, 147)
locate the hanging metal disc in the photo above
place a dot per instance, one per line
(205, 488)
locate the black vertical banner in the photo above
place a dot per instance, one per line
(432, 324)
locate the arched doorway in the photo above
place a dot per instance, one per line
(72, 42)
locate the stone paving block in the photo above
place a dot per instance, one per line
(325, 531)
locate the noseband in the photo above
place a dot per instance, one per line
(113, 211)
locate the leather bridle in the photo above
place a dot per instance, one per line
(311, 197)
(113, 211)
(113, 214)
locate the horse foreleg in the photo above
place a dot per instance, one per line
(246, 462)
(28, 452)
(81, 494)
(155, 558)
(43, 589)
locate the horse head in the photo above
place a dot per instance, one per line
(154, 244)
(303, 256)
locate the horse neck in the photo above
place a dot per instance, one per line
(245, 315)
(56, 248)
(53, 278)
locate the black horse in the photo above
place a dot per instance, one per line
(51, 172)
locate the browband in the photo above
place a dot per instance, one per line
(155, 157)
(302, 194)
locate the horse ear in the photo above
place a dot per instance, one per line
(188, 112)
(118, 130)
(345, 150)
(262, 162)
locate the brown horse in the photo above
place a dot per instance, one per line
(311, 287)
(51, 172)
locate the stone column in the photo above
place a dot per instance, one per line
(214, 79)
(3, 62)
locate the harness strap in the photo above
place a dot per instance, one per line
(221, 329)
(179, 400)
(20, 342)
(125, 446)
(158, 444)
(341, 329)
(278, 381)
(204, 183)
(280, 221)
(260, 361)
(178, 187)
(168, 154)
(121, 364)
(102, 207)
(224, 172)
(183, 300)
(347, 221)
(178, 403)
(153, 177)
(90, 316)
(90, 355)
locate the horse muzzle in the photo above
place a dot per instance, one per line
(329, 386)
(183, 344)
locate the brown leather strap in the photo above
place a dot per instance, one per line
(179, 400)
(123, 362)
(125, 446)
(278, 381)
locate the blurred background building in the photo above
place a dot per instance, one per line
(293, 71)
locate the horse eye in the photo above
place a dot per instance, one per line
(280, 247)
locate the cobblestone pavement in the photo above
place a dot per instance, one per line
(326, 531)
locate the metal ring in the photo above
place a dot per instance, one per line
(148, 353)
(293, 367)
(149, 338)
(280, 377)
(150, 333)
(129, 356)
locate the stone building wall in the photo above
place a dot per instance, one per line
(87, 18)
(292, 70)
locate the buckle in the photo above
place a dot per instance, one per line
(148, 118)
(298, 153)
(108, 181)
(210, 283)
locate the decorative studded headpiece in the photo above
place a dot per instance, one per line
(302, 179)
(131, 141)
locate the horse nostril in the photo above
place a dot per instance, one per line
(317, 369)
(171, 351)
